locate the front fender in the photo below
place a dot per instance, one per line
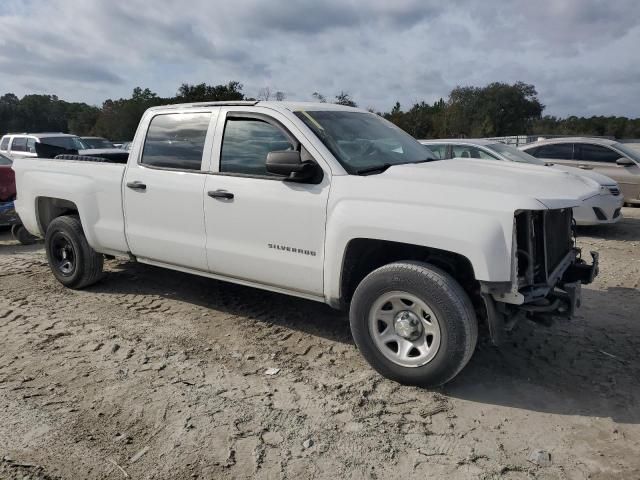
(484, 238)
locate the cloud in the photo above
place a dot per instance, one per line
(580, 54)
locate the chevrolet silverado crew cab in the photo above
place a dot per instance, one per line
(329, 203)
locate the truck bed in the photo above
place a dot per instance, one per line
(94, 187)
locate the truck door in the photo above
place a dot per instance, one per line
(261, 228)
(163, 189)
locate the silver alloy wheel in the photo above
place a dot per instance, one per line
(404, 329)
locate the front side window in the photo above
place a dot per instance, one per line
(31, 145)
(176, 140)
(557, 151)
(363, 142)
(4, 144)
(19, 144)
(468, 151)
(597, 153)
(247, 142)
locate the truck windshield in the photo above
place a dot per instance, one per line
(364, 143)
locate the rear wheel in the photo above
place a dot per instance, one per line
(413, 323)
(73, 262)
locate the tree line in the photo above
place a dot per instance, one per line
(497, 109)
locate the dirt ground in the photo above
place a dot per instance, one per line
(158, 374)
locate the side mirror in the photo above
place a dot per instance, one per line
(624, 161)
(288, 163)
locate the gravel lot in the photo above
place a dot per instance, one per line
(157, 374)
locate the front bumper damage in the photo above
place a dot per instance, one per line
(560, 296)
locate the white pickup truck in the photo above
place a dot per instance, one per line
(329, 203)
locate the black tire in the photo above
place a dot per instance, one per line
(73, 262)
(444, 296)
(22, 235)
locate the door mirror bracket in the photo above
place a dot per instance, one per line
(288, 163)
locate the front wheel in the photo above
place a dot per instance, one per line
(73, 262)
(413, 323)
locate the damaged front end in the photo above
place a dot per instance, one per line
(547, 273)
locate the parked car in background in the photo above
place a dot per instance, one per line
(599, 209)
(21, 145)
(616, 160)
(49, 145)
(329, 203)
(96, 142)
(126, 146)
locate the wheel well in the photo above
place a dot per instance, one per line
(364, 255)
(49, 208)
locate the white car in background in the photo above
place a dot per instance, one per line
(604, 208)
(619, 161)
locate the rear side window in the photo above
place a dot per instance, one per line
(246, 143)
(4, 144)
(596, 153)
(176, 140)
(19, 144)
(558, 151)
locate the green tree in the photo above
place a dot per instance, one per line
(319, 97)
(343, 98)
(119, 119)
(209, 93)
(495, 110)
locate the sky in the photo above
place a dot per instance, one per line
(583, 56)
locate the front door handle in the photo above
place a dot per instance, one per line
(221, 194)
(585, 167)
(136, 185)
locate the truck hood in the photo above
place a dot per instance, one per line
(598, 177)
(484, 179)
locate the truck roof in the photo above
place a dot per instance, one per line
(292, 106)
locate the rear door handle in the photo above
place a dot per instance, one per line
(221, 194)
(136, 185)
